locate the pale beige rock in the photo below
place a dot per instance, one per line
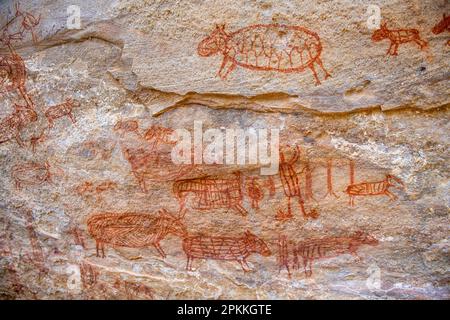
(137, 60)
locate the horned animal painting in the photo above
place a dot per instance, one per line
(270, 47)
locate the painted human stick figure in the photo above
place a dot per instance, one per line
(12, 67)
(330, 191)
(283, 254)
(265, 47)
(254, 192)
(398, 37)
(291, 185)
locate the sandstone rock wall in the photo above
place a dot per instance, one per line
(93, 207)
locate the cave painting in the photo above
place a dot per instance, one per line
(36, 256)
(224, 248)
(211, 193)
(398, 37)
(306, 252)
(254, 192)
(60, 110)
(11, 126)
(271, 47)
(31, 174)
(133, 230)
(291, 185)
(12, 67)
(13, 78)
(149, 154)
(375, 188)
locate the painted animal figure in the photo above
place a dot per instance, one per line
(133, 230)
(224, 248)
(443, 25)
(61, 110)
(271, 47)
(157, 135)
(134, 290)
(131, 126)
(11, 126)
(211, 193)
(31, 173)
(37, 139)
(152, 165)
(12, 72)
(325, 248)
(29, 22)
(398, 37)
(94, 149)
(374, 188)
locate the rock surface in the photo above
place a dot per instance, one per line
(359, 208)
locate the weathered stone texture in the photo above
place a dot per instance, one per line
(379, 119)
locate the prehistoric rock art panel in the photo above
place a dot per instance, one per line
(271, 47)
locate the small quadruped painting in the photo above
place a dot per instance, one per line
(304, 158)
